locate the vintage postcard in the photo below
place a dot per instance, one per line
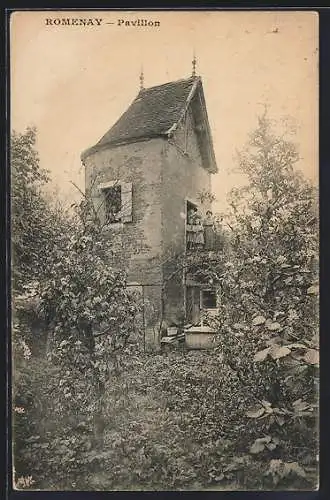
(165, 245)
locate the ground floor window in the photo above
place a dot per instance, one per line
(199, 300)
(209, 299)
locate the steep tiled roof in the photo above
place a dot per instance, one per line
(152, 113)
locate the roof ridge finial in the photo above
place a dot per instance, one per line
(194, 62)
(141, 78)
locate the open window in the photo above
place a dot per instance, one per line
(117, 201)
(194, 227)
(112, 204)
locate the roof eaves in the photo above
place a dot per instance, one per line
(213, 167)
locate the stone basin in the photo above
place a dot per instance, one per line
(200, 337)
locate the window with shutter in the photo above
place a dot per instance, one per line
(126, 202)
(117, 201)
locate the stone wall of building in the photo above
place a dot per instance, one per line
(138, 243)
(164, 175)
(183, 178)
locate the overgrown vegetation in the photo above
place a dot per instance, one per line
(271, 338)
(92, 411)
(74, 312)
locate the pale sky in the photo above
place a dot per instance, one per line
(74, 82)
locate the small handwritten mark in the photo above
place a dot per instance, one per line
(274, 30)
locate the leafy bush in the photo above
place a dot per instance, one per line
(92, 411)
(271, 339)
(31, 225)
(69, 299)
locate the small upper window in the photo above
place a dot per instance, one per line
(113, 204)
(209, 299)
(117, 198)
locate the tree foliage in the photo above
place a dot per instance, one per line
(92, 411)
(271, 273)
(71, 301)
(30, 230)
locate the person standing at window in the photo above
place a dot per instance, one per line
(209, 231)
(195, 231)
(198, 229)
(189, 228)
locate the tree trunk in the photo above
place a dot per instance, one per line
(98, 418)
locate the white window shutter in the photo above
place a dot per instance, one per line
(126, 201)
